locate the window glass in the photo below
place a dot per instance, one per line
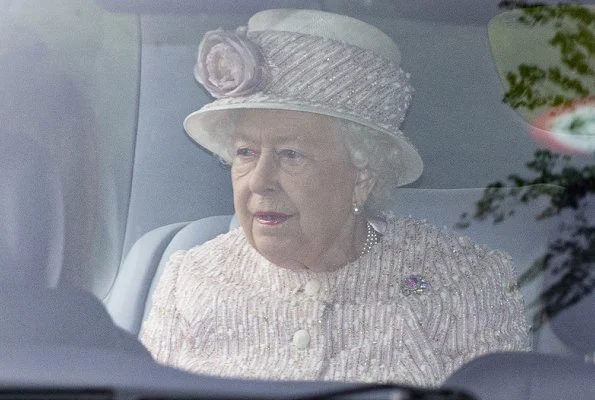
(94, 96)
(73, 73)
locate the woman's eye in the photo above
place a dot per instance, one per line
(245, 152)
(290, 158)
(290, 154)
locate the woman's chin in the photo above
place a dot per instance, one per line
(278, 254)
(284, 262)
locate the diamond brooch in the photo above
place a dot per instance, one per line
(415, 284)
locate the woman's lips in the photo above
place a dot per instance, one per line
(270, 217)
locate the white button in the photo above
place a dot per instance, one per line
(312, 287)
(301, 339)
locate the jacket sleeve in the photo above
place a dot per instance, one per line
(162, 332)
(487, 313)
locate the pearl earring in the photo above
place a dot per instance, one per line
(356, 209)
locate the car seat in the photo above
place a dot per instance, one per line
(130, 297)
(31, 211)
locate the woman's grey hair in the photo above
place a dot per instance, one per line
(378, 152)
(367, 148)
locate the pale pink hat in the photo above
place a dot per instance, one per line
(310, 61)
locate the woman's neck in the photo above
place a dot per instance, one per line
(346, 248)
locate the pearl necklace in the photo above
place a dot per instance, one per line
(372, 238)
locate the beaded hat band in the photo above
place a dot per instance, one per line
(296, 60)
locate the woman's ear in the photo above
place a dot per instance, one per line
(365, 181)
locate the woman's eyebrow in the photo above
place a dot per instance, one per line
(242, 136)
(289, 139)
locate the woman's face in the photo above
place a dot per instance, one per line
(294, 186)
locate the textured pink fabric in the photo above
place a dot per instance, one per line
(222, 309)
(314, 72)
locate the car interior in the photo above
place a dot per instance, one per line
(100, 184)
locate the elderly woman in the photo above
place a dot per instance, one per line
(320, 282)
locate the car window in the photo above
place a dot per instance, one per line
(95, 93)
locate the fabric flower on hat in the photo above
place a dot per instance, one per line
(230, 64)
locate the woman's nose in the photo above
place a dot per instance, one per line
(263, 177)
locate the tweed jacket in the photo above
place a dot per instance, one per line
(421, 303)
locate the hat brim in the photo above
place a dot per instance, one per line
(207, 124)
